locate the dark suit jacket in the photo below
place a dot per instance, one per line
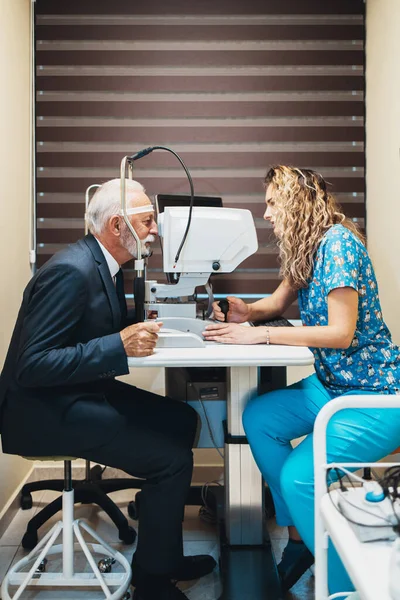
(64, 354)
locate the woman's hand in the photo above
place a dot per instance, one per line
(232, 333)
(239, 311)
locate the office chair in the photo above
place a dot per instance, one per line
(68, 532)
(90, 490)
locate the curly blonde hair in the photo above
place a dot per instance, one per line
(304, 211)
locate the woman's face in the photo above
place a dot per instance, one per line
(270, 212)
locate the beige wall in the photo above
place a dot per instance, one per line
(15, 177)
(383, 156)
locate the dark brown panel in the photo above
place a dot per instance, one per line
(67, 211)
(173, 135)
(350, 209)
(59, 236)
(212, 186)
(192, 58)
(211, 7)
(265, 237)
(76, 210)
(201, 84)
(256, 261)
(163, 110)
(200, 33)
(241, 160)
(68, 236)
(236, 284)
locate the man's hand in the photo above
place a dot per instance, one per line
(239, 311)
(140, 339)
(232, 333)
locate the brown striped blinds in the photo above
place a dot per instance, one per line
(233, 86)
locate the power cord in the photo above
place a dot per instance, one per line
(206, 513)
(210, 431)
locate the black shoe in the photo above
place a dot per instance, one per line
(194, 567)
(156, 589)
(296, 559)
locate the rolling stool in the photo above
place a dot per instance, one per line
(100, 575)
(91, 490)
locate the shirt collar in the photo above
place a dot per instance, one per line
(111, 262)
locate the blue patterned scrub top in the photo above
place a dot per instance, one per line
(372, 362)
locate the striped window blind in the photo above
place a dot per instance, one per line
(233, 86)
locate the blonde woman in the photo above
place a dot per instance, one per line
(325, 265)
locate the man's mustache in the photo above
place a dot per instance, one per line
(149, 239)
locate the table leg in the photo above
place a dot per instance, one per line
(244, 497)
(248, 568)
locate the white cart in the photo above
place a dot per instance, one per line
(367, 564)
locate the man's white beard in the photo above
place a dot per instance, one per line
(129, 243)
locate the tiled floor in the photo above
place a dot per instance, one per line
(199, 538)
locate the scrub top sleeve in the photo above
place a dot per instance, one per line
(342, 262)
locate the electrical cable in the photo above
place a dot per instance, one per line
(206, 513)
(390, 484)
(147, 151)
(210, 431)
(391, 479)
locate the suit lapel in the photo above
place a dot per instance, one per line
(105, 275)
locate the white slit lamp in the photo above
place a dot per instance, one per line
(197, 242)
(219, 239)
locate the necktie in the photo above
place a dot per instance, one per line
(120, 289)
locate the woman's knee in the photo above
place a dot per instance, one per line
(251, 417)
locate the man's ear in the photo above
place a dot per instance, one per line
(114, 225)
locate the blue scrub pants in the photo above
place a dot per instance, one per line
(272, 420)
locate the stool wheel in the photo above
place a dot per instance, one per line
(96, 473)
(29, 540)
(105, 564)
(42, 566)
(26, 501)
(127, 535)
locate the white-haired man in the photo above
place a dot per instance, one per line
(60, 397)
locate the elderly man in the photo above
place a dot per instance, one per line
(72, 338)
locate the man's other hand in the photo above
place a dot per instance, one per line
(140, 339)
